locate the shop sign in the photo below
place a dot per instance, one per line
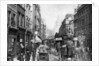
(58, 39)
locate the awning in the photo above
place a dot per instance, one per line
(37, 39)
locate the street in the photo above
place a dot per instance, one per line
(49, 32)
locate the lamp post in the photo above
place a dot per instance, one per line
(36, 33)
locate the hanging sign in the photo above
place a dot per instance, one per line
(58, 39)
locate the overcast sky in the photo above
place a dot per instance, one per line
(53, 14)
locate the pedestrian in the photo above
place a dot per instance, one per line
(15, 58)
(27, 54)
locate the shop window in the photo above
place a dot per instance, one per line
(11, 43)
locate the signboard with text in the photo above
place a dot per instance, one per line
(58, 39)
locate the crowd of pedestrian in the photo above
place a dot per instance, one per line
(66, 51)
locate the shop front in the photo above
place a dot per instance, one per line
(21, 41)
(28, 39)
(11, 45)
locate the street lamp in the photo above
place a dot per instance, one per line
(36, 32)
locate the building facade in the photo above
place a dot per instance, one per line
(29, 24)
(83, 24)
(67, 26)
(43, 30)
(20, 19)
(21, 27)
(15, 28)
(37, 23)
(12, 29)
(83, 21)
(23, 20)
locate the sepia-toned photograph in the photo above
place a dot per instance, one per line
(49, 32)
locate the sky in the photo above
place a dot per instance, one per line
(53, 14)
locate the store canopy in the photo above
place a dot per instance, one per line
(38, 39)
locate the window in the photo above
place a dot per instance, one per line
(22, 5)
(79, 23)
(29, 7)
(23, 21)
(27, 21)
(83, 21)
(11, 43)
(9, 16)
(87, 9)
(13, 20)
(19, 18)
(87, 18)
(26, 5)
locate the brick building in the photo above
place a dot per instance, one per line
(12, 29)
(67, 27)
(83, 19)
(20, 24)
(83, 23)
